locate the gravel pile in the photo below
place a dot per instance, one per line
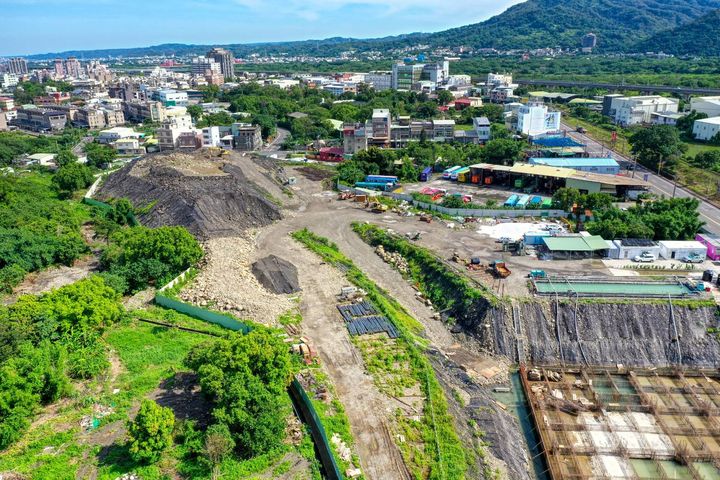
(393, 258)
(277, 275)
(226, 283)
(204, 193)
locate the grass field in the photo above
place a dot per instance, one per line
(144, 358)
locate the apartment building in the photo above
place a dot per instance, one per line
(534, 119)
(7, 103)
(91, 118)
(247, 137)
(627, 111)
(3, 121)
(171, 98)
(481, 126)
(354, 138)
(380, 124)
(213, 136)
(40, 120)
(205, 66)
(338, 89)
(405, 76)
(18, 66)
(380, 80)
(710, 106)
(706, 129)
(225, 59)
(142, 111)
(116, 133)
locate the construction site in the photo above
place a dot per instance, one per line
(644, 404)
(597, 423)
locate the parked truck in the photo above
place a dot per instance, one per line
(499, 269)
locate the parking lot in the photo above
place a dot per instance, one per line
(480, 194)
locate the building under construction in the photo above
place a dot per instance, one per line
(599, 423)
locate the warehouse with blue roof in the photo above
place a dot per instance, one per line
(606, 165)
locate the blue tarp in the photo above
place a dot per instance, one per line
(552, 142)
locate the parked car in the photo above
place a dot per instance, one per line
(645, 257)
(693, 258)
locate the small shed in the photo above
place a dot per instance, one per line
(536, 238)
(629, 248)
(671, 249)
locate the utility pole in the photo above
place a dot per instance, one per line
(674, 185)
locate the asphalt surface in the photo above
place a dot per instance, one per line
(709, 213)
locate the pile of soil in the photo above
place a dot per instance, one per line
(277, 275)
(198, 190)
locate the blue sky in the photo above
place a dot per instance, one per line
(41, 26)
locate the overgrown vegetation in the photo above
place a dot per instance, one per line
(47, 340)
(247, 376)
(442, 455)
(14, 144)
(37, 228)
(144, 256)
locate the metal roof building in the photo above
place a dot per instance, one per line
(607, 166)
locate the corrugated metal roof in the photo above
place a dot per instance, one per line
(615, 180)
(490, 166)
(575, 244)
(571, 162)
(542, 170)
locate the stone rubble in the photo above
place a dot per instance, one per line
(394, 259)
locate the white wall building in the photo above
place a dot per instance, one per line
(379, 80)
(211, 136)
(112, 134)
(634, 110)
(534, 119)
(710, 106)
(627, 249)
(706, 128)
(679, 249)
(481, 125)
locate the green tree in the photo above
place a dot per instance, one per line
(246, 376)
(564, 198)
(195, 111)
(685, 124)
(444, 97)
(100, 156)
(65, 157)
(267, 124)
(72, 177)
(708, 160)
(151, 433)
(502, 151)
(658, 147)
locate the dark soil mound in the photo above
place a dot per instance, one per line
(208, 196)
(276, 274)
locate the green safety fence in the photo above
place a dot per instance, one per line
(300, 400)
(202, 314)
(106, 206)
(312, 420)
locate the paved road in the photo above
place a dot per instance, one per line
(709, 213)
(279, 139)
(78, 149)
(621, 86)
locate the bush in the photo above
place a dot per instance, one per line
(151, 433)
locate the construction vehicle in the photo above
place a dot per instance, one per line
(499, 269)
(377, 207)
(426, 217)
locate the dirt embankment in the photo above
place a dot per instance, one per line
(207, 194)
(634, 334)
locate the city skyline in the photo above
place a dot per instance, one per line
(62, 25)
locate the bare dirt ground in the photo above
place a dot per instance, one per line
(55, 277)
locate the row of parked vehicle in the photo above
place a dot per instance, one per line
(647, 257)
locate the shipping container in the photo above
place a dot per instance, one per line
(381, 179)
(375, 186)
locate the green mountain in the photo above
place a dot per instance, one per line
(618, 24)
(547, 23)
(699, 37)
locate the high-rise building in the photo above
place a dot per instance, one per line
(18, 66)
(226, 60)
(589, 41)
(205, 66)
(72, 67)
(405, 76)
(59, 68)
